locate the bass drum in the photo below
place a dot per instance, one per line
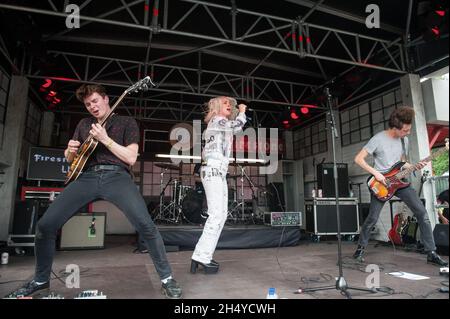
(194, 206)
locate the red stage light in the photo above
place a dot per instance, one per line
(52, 93)
(47, 83)
(304, 110)
(436, 31)
(294, 115)
(285, 122)
(440, 13)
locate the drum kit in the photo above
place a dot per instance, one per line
(188, 203)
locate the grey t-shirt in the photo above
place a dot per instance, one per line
(385, 150)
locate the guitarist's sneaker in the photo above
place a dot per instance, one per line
(434, 259)
(171, 289)
(359, 254)
(29, 289)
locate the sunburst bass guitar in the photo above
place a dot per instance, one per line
(395, 178)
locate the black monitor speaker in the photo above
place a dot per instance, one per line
(26, 216)
(275, 197)
(441, 238)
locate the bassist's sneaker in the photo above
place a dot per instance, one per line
(435, 259)
(359, 254)
(29, 289)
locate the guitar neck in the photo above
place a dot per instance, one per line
(413, 168)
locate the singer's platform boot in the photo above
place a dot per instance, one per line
(211, 268)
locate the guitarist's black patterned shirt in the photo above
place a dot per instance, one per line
(123, 130)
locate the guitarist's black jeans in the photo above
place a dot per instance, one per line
(114, 186)
(409, 196)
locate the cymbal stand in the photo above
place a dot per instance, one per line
(241, 204)
(252, 187)
(161, 196)
(171, 207)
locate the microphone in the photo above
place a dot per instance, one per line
(248, 109)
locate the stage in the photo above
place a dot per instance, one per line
(244, 273)
(232, 237)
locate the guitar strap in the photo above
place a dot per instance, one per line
(405, 153)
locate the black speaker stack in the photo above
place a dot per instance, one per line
(325, 180)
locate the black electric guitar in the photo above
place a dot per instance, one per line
(90, 144)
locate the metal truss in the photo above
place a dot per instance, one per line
(188, 81)
(318, 6)
(261, 31)
(305, 39)
(164, 110)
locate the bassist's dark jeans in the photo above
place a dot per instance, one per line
(409, 196)
(115, 186)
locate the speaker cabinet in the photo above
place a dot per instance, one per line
(26, 215)
(325, 179)
(321, 218)
(84, 231)
(440, 233)
(275, 197)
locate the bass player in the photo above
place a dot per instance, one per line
(388, 147)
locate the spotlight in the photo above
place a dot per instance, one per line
(294, 115)
(304, 110)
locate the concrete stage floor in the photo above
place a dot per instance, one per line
(244, 273)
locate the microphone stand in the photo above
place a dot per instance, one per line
(341, 283)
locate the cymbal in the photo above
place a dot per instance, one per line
(168, 166)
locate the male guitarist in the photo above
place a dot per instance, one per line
(105, 176)
(387, 148)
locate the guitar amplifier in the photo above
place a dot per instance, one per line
(84, 231)
(283, 219)
(321, 216)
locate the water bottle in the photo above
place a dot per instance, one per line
(272, 294)
(5, 257)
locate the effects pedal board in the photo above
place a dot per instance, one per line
(283, 219)
(90, 294)
(53, 296)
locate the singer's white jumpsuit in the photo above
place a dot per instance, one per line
(216, 154)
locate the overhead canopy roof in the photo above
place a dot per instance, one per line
(270, 54)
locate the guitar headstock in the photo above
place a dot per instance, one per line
(142, 85)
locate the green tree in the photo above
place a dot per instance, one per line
(440, 163)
